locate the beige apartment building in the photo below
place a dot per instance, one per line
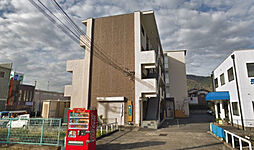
(176, 84)
(129, 85)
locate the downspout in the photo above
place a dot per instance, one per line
(237, 88)
(90, 68)
(212, 76)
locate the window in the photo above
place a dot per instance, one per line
(166, 78)
(222, 79)
(20, 95)
(142, 30)
(235, 108)
(24, 99)
(2, 74)
(216, 82)
(230, 74)
(167, 92)
(250, 68)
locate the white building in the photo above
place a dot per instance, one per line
(234, 86)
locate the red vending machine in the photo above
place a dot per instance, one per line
(81, 129)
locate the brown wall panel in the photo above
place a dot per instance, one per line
(115, 35)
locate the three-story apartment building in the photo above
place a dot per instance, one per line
(122, 73)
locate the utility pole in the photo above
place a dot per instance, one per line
(35, 82)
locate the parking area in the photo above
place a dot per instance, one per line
(190, 133)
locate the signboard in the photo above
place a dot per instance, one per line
(29, 103)
(129, 116)
(17, 76)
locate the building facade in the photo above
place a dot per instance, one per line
(197, 97)
(41, 95)
(21, 97)
(235, 76)
(122, 74)
(5, 70)
(176, 84)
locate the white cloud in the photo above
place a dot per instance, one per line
(209, 30)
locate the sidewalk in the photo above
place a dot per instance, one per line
(192, 135)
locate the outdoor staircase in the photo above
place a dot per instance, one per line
(152, 109)
(151, 115)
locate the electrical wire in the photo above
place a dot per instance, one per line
(74, 35)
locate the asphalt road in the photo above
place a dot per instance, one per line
(190, 133)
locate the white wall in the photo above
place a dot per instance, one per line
(246, 89)
(177, 79)
(111, 111)
(80, 70)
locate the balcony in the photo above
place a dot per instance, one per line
(149, 71)
(147, 57)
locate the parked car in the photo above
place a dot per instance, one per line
(210, 112)
(20, 123)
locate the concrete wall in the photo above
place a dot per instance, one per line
(80, 69)
(245, 88)
(178, 80)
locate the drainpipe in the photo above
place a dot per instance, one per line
(212, 76)
(237, 88)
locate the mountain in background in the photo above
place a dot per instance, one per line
(199, 82)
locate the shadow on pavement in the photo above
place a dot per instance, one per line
(119, 146)
(193, 118)
(201, 146)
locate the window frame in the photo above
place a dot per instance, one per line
(248, 72)
(222, 78)
(216, 83)
(230, 78)
(235, 105)
(2, 74)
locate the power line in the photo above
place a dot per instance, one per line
(75, 37)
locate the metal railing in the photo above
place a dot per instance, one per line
(240, 139)
(226, 135)
(36, 131)
(105, 129)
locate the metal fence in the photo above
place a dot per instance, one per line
(231, 138)
(36, 131)
(105, 129)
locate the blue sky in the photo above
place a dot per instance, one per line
(208, 29)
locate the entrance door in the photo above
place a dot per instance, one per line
(112, 111)
(170, 108)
